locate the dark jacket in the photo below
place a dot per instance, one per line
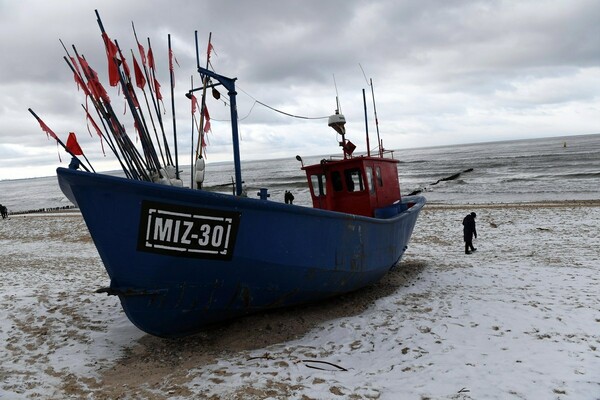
(469, 227)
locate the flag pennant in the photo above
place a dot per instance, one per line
(72, 145)
(111, 55)
(94, 86)
(80, 84)
(116, 128)
(151, 59)
(194, 104)
(140, 80)
(206, 120)
(129, 89)
(97, 128)
(49, 132)
(209, 49)
(75, 65)
(77, 76)
(171, 67)
(142, 54)
(157, 90)
(125, 65)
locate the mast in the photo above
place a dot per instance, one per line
(366, 124)
(376, 120)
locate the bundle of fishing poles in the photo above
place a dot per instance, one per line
(155, 162)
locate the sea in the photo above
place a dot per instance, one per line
(517, 171)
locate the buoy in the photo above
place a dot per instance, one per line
(199, 172)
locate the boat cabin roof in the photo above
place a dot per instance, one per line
(357, 185)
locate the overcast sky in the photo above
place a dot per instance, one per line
(444, 72)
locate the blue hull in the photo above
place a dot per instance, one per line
(182, 259)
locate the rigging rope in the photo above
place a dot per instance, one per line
(275, 109)
(267, 106)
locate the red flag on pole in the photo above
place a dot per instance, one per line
(125, 65)
(150, 58)
(157, 90)
(206, 119)
(142, 53)
(111, 55)
(171, 67)
(94, 85)
(49, 132)
(73, 146)
(140, 80)
(194, 104)
(208, 51)
(77, 76)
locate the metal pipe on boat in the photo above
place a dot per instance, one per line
(236, 143)
(229, 84)
(366, 124)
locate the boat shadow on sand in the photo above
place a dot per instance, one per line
(257, 331)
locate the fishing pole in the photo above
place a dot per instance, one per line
(172, 73)
(148, 148)
(49, 131)
(141, 83)
(103, 106)
(104, 134)
(137, 114)
(205, 80)
(123, 138)
(156, 86)
(89, 95)
(141, 79)
(81, 84)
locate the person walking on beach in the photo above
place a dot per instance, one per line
(289, 197)
(3, 211)
(469, 231)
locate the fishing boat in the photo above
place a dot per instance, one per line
(182, 258)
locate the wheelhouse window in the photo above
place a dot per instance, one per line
(319, 184)
(354, 180)
(370, 180)
(378, 175)
(336, 181)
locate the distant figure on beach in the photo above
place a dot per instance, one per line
(469, 231)
(3, 211)
(289, 197)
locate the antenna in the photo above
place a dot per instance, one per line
(338, 108)
(370, 83)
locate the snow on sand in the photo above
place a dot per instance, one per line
(518, 319)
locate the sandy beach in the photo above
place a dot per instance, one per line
(518, 319)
